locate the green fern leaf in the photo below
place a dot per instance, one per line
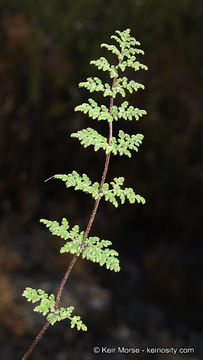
(114, 50)
(94, 251)
(121, 146)
(116, 191)
(94, 111)
(103, 64)
(47, 306)
(80, 183)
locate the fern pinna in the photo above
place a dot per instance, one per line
(78, 242)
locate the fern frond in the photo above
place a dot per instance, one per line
(122, 83)
(103, 64)
(80, 183)
(95, 84)
(94, 111)
(56, 229)
(47, 305)
(84, 183)
(127, 112)
(122, 145)
(89, 137)
(131, 63)
(94, 251)
(114, 50)
(111, 194)
(75, 241)
(102, 113)
(127, 47)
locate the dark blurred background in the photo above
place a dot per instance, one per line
(157, 298)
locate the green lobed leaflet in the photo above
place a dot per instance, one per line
(110, 193)
(122, 145)
(95, 249)
(102, 113)
(47, 306)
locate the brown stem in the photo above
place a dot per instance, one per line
(91, 220)
(37, 339)
(96, 204)
(89, 225)
(94, 211)
(68, 271)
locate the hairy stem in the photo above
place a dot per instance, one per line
(38, 337)
(89, 225)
